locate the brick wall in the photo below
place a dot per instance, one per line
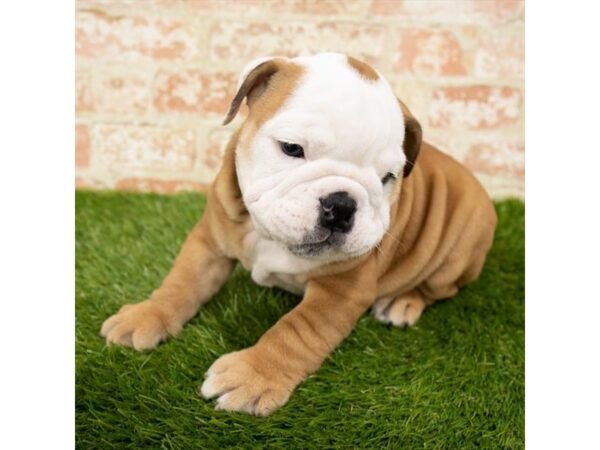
(154, 77)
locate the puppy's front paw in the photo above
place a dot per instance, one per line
(141, 326)
(242, 383)
(402, 311)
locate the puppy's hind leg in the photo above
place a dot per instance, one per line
(402, 311)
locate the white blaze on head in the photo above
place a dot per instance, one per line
(352, 130)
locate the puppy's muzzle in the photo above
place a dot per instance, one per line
(337, 212)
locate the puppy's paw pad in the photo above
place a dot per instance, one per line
(141, 326)
(403, 311)
(238, 386)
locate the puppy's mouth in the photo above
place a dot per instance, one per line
(317, 242)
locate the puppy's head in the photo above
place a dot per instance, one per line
(322, 154)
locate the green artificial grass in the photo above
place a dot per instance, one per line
(454, 381)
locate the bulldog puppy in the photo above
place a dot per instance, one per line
(326, 190)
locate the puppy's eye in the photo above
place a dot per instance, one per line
(293, 150)
(388, 176)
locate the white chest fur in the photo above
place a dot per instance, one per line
(271, 264)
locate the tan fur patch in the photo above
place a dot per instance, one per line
(279, 88)
(266, 88)
(365, 70)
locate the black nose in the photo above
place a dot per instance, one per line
(337, 212)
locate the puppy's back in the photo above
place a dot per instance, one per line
(442, 228)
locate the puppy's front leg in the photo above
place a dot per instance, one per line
(198, 273)
(261, 378)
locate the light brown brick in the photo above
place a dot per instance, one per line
(499, 54)
(83, 93)
(82, 146)
(238, 42)
(87, 183)
(474, 107)
(215, 146)
(121, 93)
(497, 157)
(158, 185)
(454, 12)
(126, 38)
(319, 6)
(416, 95)
(138, 4)
(227, 6)
(122, 147)
(193, 91)
(428, 52)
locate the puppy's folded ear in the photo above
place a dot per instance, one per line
(413, 136)
(253, 82)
